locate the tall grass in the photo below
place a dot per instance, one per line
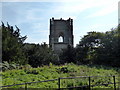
(29, 74)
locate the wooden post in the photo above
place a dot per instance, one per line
(114, 83)
(89, 83)
(25, 86)
(58, 83)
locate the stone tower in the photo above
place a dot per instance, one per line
(61, 34)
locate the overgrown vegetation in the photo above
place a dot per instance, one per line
(39, 55)
(28, 74)
(14, 50)
(25, 62)
(94, 48)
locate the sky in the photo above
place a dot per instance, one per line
(33, 16)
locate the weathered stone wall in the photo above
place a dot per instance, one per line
(60, 28)
(59, 46)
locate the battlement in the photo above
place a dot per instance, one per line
(61, 20)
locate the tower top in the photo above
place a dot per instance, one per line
(61, 19)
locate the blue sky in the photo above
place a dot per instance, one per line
(33, 17)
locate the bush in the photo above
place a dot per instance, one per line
(9, 66)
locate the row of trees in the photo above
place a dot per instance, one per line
(93, 48)
(96, 48)
(14, 50)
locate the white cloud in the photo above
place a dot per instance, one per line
(108, 8)
(26, 15)
(31, 14)
(100, 27)
(39, 28)
(77, 7)
(73, 8)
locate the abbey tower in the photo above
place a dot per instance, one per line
(61, 34)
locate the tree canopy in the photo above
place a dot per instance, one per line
(100, 48)
(14, 50)
(93, 48)
(12, 43)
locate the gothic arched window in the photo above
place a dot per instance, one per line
(60, 39)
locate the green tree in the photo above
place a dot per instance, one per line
(68, 55)
(40, 54)
(12, 44)
(86, 49)
(100, 48)
(110, 49)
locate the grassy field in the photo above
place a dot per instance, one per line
(27, 74)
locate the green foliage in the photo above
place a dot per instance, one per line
(68, 55)
(12, 43)
(94, 48)
(86, 49)
(54, 72)
(100, 48)
(39, 55)
(65, 69)
(6, 66)
(10, 66)
(14, 50)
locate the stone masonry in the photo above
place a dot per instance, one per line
(61, 34)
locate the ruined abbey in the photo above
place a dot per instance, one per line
(61, 34)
